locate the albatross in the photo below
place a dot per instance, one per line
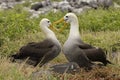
(41, 52)
(78, 51)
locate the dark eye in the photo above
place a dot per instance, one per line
(66, 16)
(48, 21)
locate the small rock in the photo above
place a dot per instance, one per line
(70, 67)
(42, 4)
(105, 3)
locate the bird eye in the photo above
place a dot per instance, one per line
(48, 21)
(66, 16)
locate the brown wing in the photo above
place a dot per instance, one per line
(83, 45)
(95, 54)
(36, 49)
(44, 44)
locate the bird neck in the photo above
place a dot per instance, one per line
(74, 29)
(49, 34)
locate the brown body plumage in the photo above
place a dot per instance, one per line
(94, 54)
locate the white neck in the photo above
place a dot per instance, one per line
(50, 35)
(74, 29)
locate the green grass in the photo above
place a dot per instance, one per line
(17, 21)
(101, 21)
(97, 27)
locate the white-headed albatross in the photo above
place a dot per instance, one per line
(78, 51)
(41, 52)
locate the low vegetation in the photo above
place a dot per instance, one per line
(98, 27)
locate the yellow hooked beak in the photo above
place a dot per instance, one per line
(59, 21)
(52, 28)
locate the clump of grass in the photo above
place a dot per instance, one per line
(9, 71)
(15, 24)
(100, 20)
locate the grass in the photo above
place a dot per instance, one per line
(102, 21)
(97, 27)
(26, 71)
